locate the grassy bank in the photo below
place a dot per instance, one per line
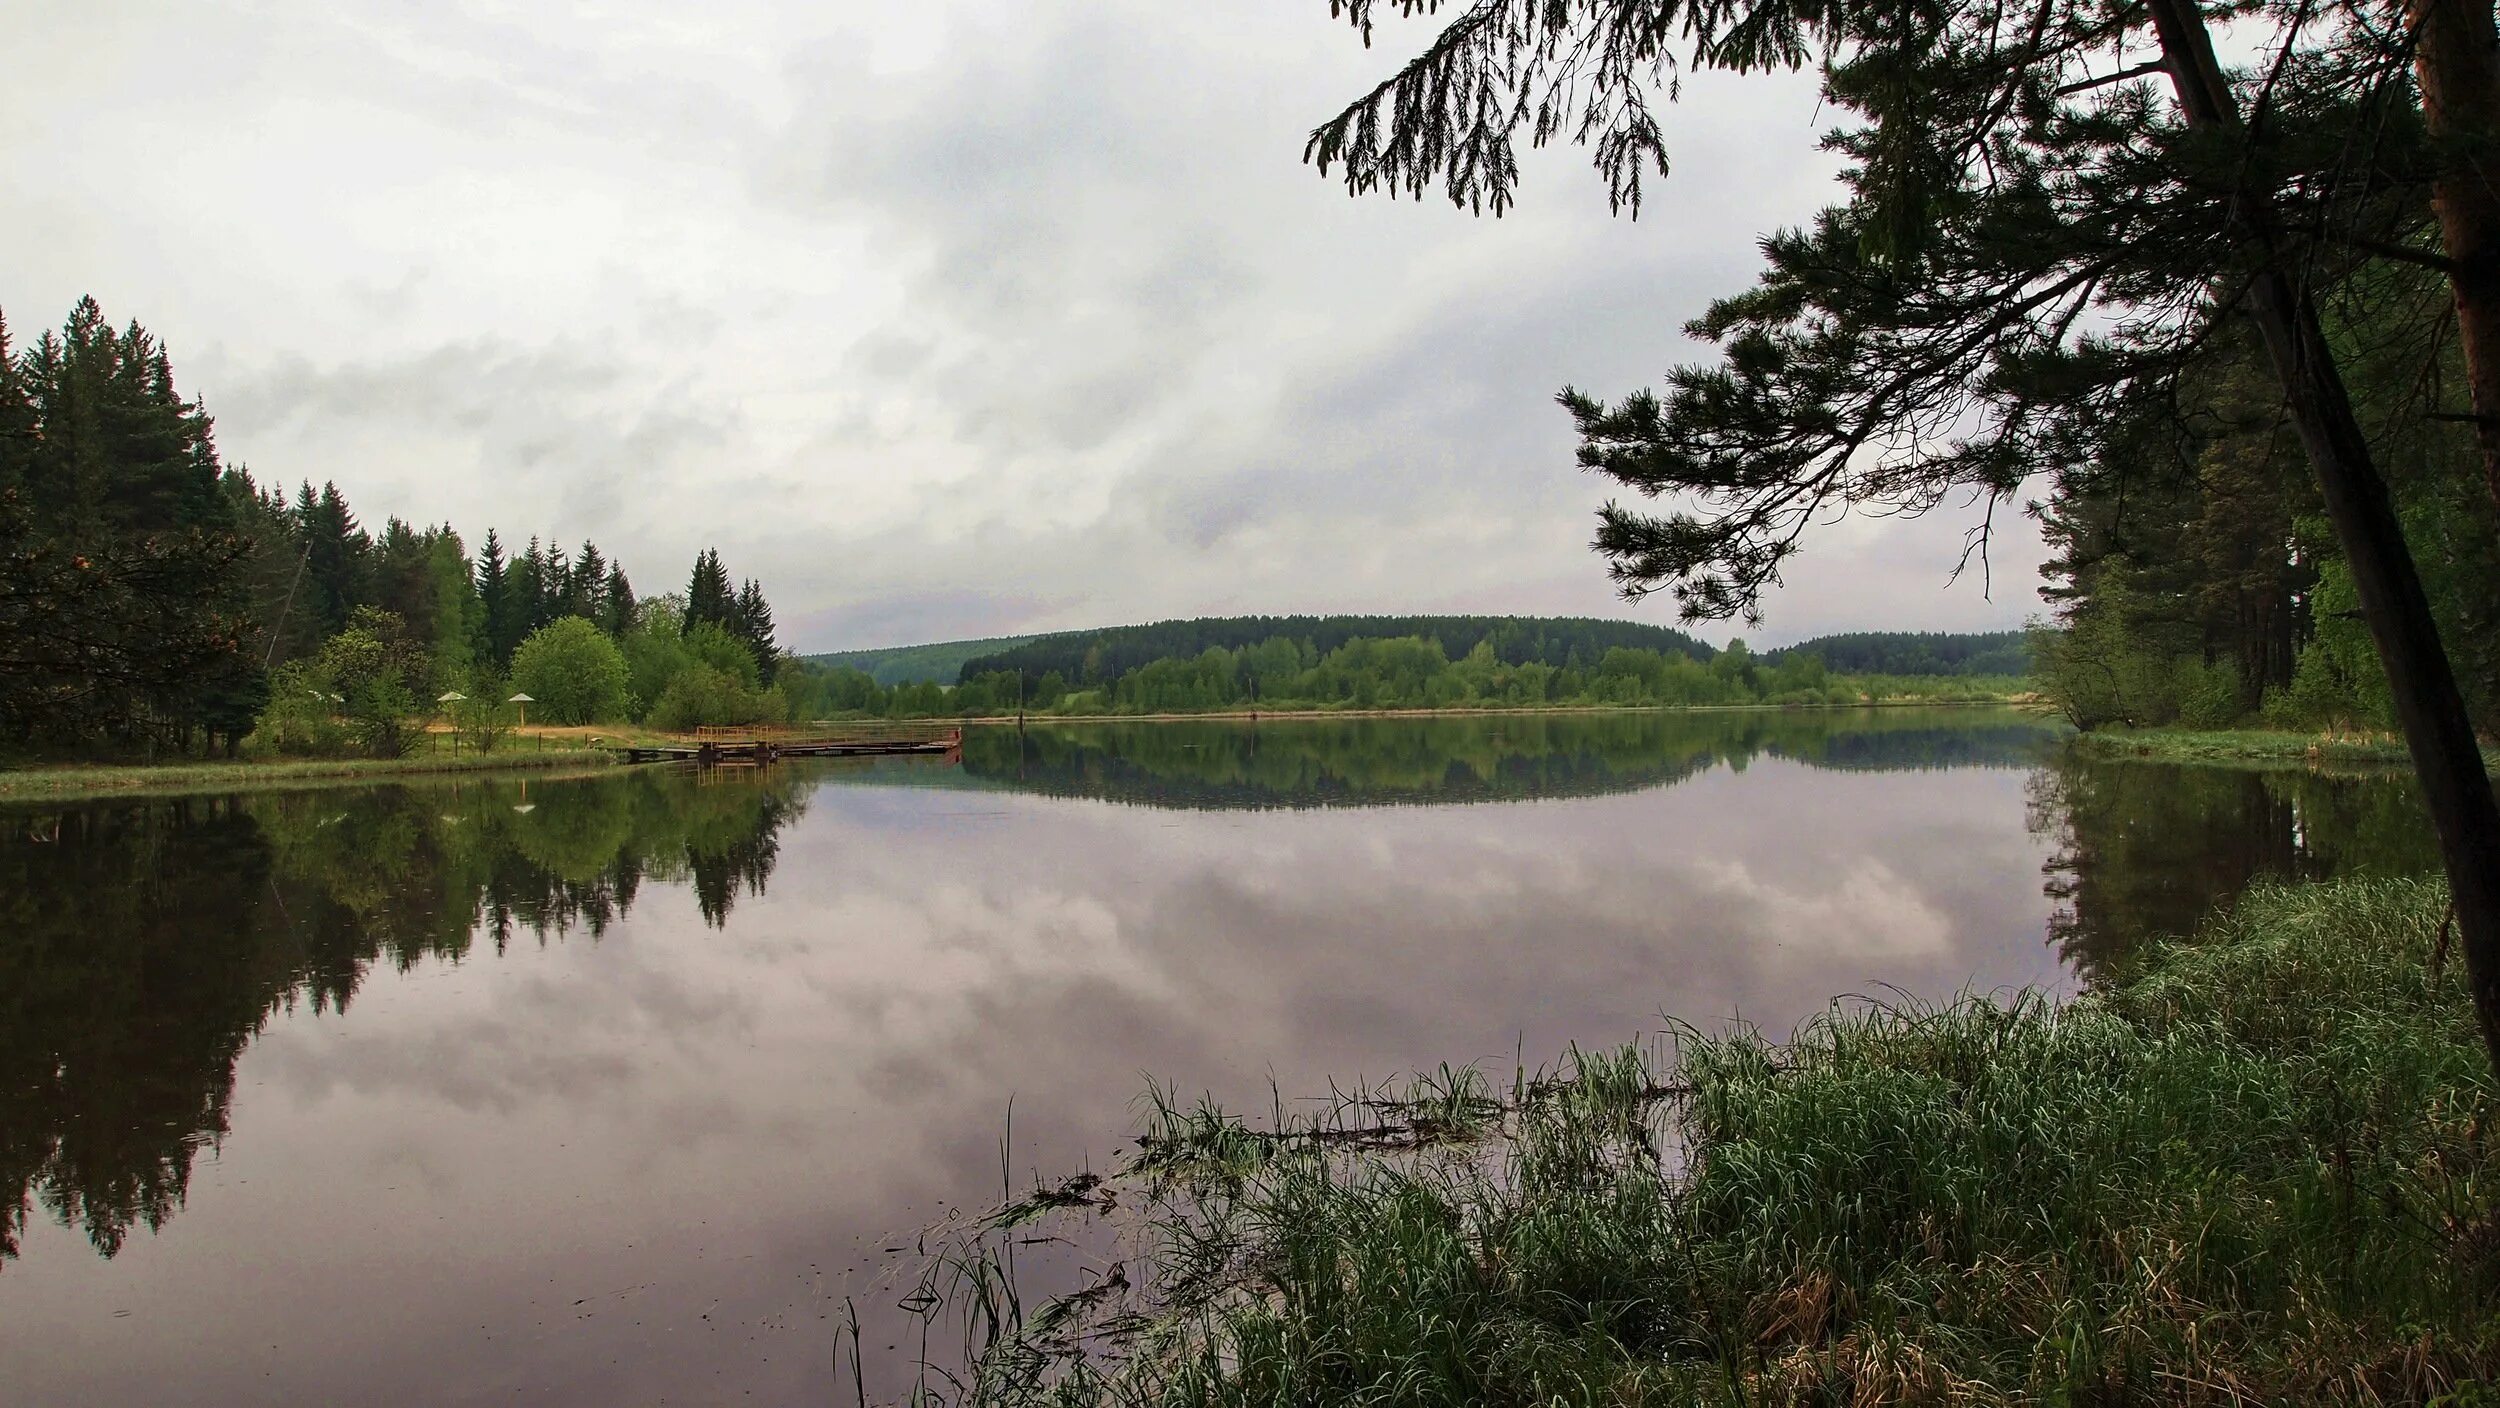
(72, 782)
(2259, 1169)
(2267, 747)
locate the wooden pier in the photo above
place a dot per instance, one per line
(760, 744)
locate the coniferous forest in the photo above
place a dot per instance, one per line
(157, 601)
(2194, 578)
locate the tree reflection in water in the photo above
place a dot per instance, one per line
(143, 945)
(2144, 851)
(1318, 762)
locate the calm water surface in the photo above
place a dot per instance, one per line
(610, 1091)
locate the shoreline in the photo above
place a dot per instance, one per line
(71, 782)
(74, 781)
(2256, 748)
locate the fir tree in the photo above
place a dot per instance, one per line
(528, 583)
(122, 604)
(17, 419)
(751, 621)
(586, 586)
(555, 586)
(498, 632)
(616, 615)
(709, 596)
(335, 549)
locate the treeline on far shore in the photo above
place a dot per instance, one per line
(1283, 675)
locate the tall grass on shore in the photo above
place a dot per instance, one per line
(51, 783)
(2259, 1168)
(2256, 747)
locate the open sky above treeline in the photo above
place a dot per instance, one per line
(946, 320)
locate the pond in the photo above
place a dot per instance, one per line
(617, 1089)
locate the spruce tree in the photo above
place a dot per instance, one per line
(555, 587)
(335, 563)
(497, 633)
(17, 419)
(586, 586)
(123, 609)
(616, 615)
(708, 595)
(529, 590)
(751, 621)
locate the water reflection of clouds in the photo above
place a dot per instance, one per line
(738, 1119)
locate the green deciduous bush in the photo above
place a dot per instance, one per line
(703, 695)
(2208, 694)
(573, 673)
(357, 695)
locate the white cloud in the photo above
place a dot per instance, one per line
(959, 319)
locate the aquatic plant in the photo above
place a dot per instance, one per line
(2258, 1168)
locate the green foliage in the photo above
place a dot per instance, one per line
(742, 613)
(1917, 653)
(122, 617)
(2258, 1169)
(1282, 675)
(1099, 657)
(2338, 683)
(356, 696)
(939, 663)
(573, 672)
(654, 655)
(712, 644)
(703, 693)
(2101, 670)
(2208, 694)
(300, 720)
(479, 718)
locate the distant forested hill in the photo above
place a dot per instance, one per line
(1917, 653)
(939, 663)
(1089, 657)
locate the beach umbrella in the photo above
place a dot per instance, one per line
(524, 701)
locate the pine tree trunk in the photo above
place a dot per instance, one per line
(2456, 59)
(2429, 706)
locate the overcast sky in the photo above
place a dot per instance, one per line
(943, 319)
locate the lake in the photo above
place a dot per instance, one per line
(615, 1089)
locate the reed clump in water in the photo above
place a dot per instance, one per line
(2258, 1168)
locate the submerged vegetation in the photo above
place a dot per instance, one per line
(2259, 1166)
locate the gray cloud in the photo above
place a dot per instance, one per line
(956, 321)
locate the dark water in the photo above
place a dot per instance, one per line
(611, 1090)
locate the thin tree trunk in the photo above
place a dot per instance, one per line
(2456, 59)
(2428, 704)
